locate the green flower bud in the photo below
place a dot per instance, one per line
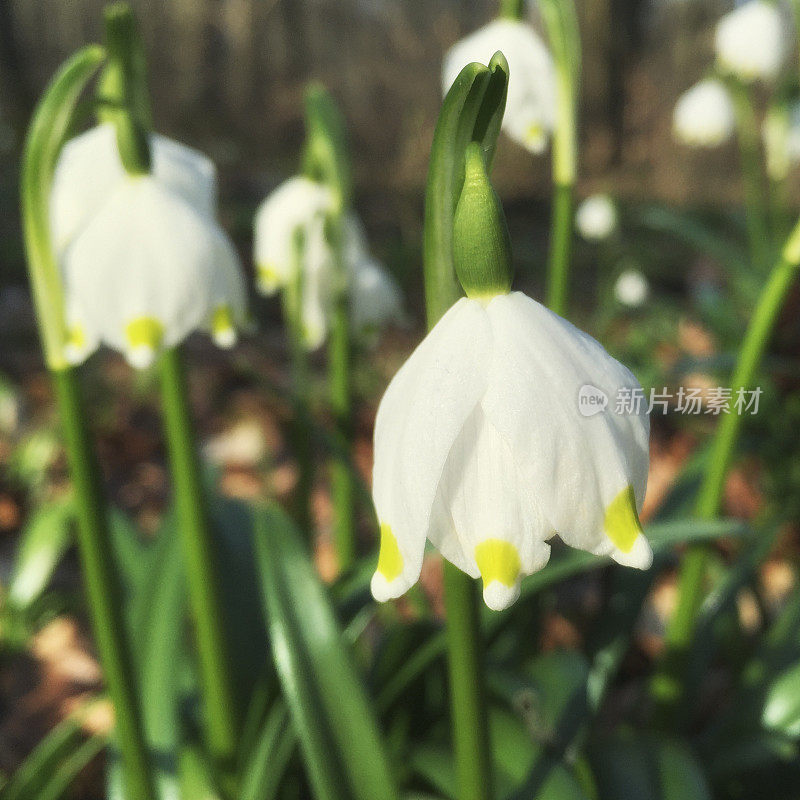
(481, 244)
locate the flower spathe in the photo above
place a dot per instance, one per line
(146, 270)
(482, 448)
(89, 168)
(704, 115)
(531, 104)
(751, 41)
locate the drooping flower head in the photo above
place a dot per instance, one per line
(501, 430)
(531, 104)
(143, 260)
(596, 217)
(781, 137)
(300, 205)
(751, 41)
(703, 115)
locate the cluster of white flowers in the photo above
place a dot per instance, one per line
(751, 44)
(481, 448)
(143, 260)
(531, 106)
(299, 207)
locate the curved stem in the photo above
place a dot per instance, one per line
(512, 9)
(199, 553)
(103, 587)
(667, 687)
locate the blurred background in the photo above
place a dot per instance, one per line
(227, 77)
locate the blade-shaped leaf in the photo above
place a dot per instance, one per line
(331, 713)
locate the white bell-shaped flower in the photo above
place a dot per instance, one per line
(704, 115)
(375, 298)
(531, 105)
(146, 270)
(498, 432)
(89, 168)
(596, 217)
(298, 204)
(781, 137)
(751, 41)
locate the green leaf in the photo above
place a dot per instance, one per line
(331, 712)
(51, 122)
(646, 767)
(55, 762)
(261, 777)
(782, 707)
(42, 543)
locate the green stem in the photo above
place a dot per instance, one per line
(301, 385)
(199, 554)
(469, 720)
(559, 18)
(103, 587)
(752, 176)
(342, 488)
(667, 687)
(512, 9)
(469, 717)
(560, 248)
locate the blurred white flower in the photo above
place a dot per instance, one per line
(631, 288)
(89, 169)
(482, 447)
(375, 298)
(530, 109)
(703, 115)
(781, 137)
(596, 217)
(298, 204)
(752, 41)
(147, 269)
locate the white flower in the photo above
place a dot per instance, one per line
(375, 298)
(631, 288)
(781, 136)
(751, 41)
(89, 169)
(596, 217)
(480, 446)
(298, 204)
(703, 115)
(147, 269)
(530, 109)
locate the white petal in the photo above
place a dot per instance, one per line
(418, 420)
(375, 297)
(704, 115)
(89, 169)
(531, 104)
(296, 204)
(492, 510)
(751, 41)
(146, 259)
(579, 466)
